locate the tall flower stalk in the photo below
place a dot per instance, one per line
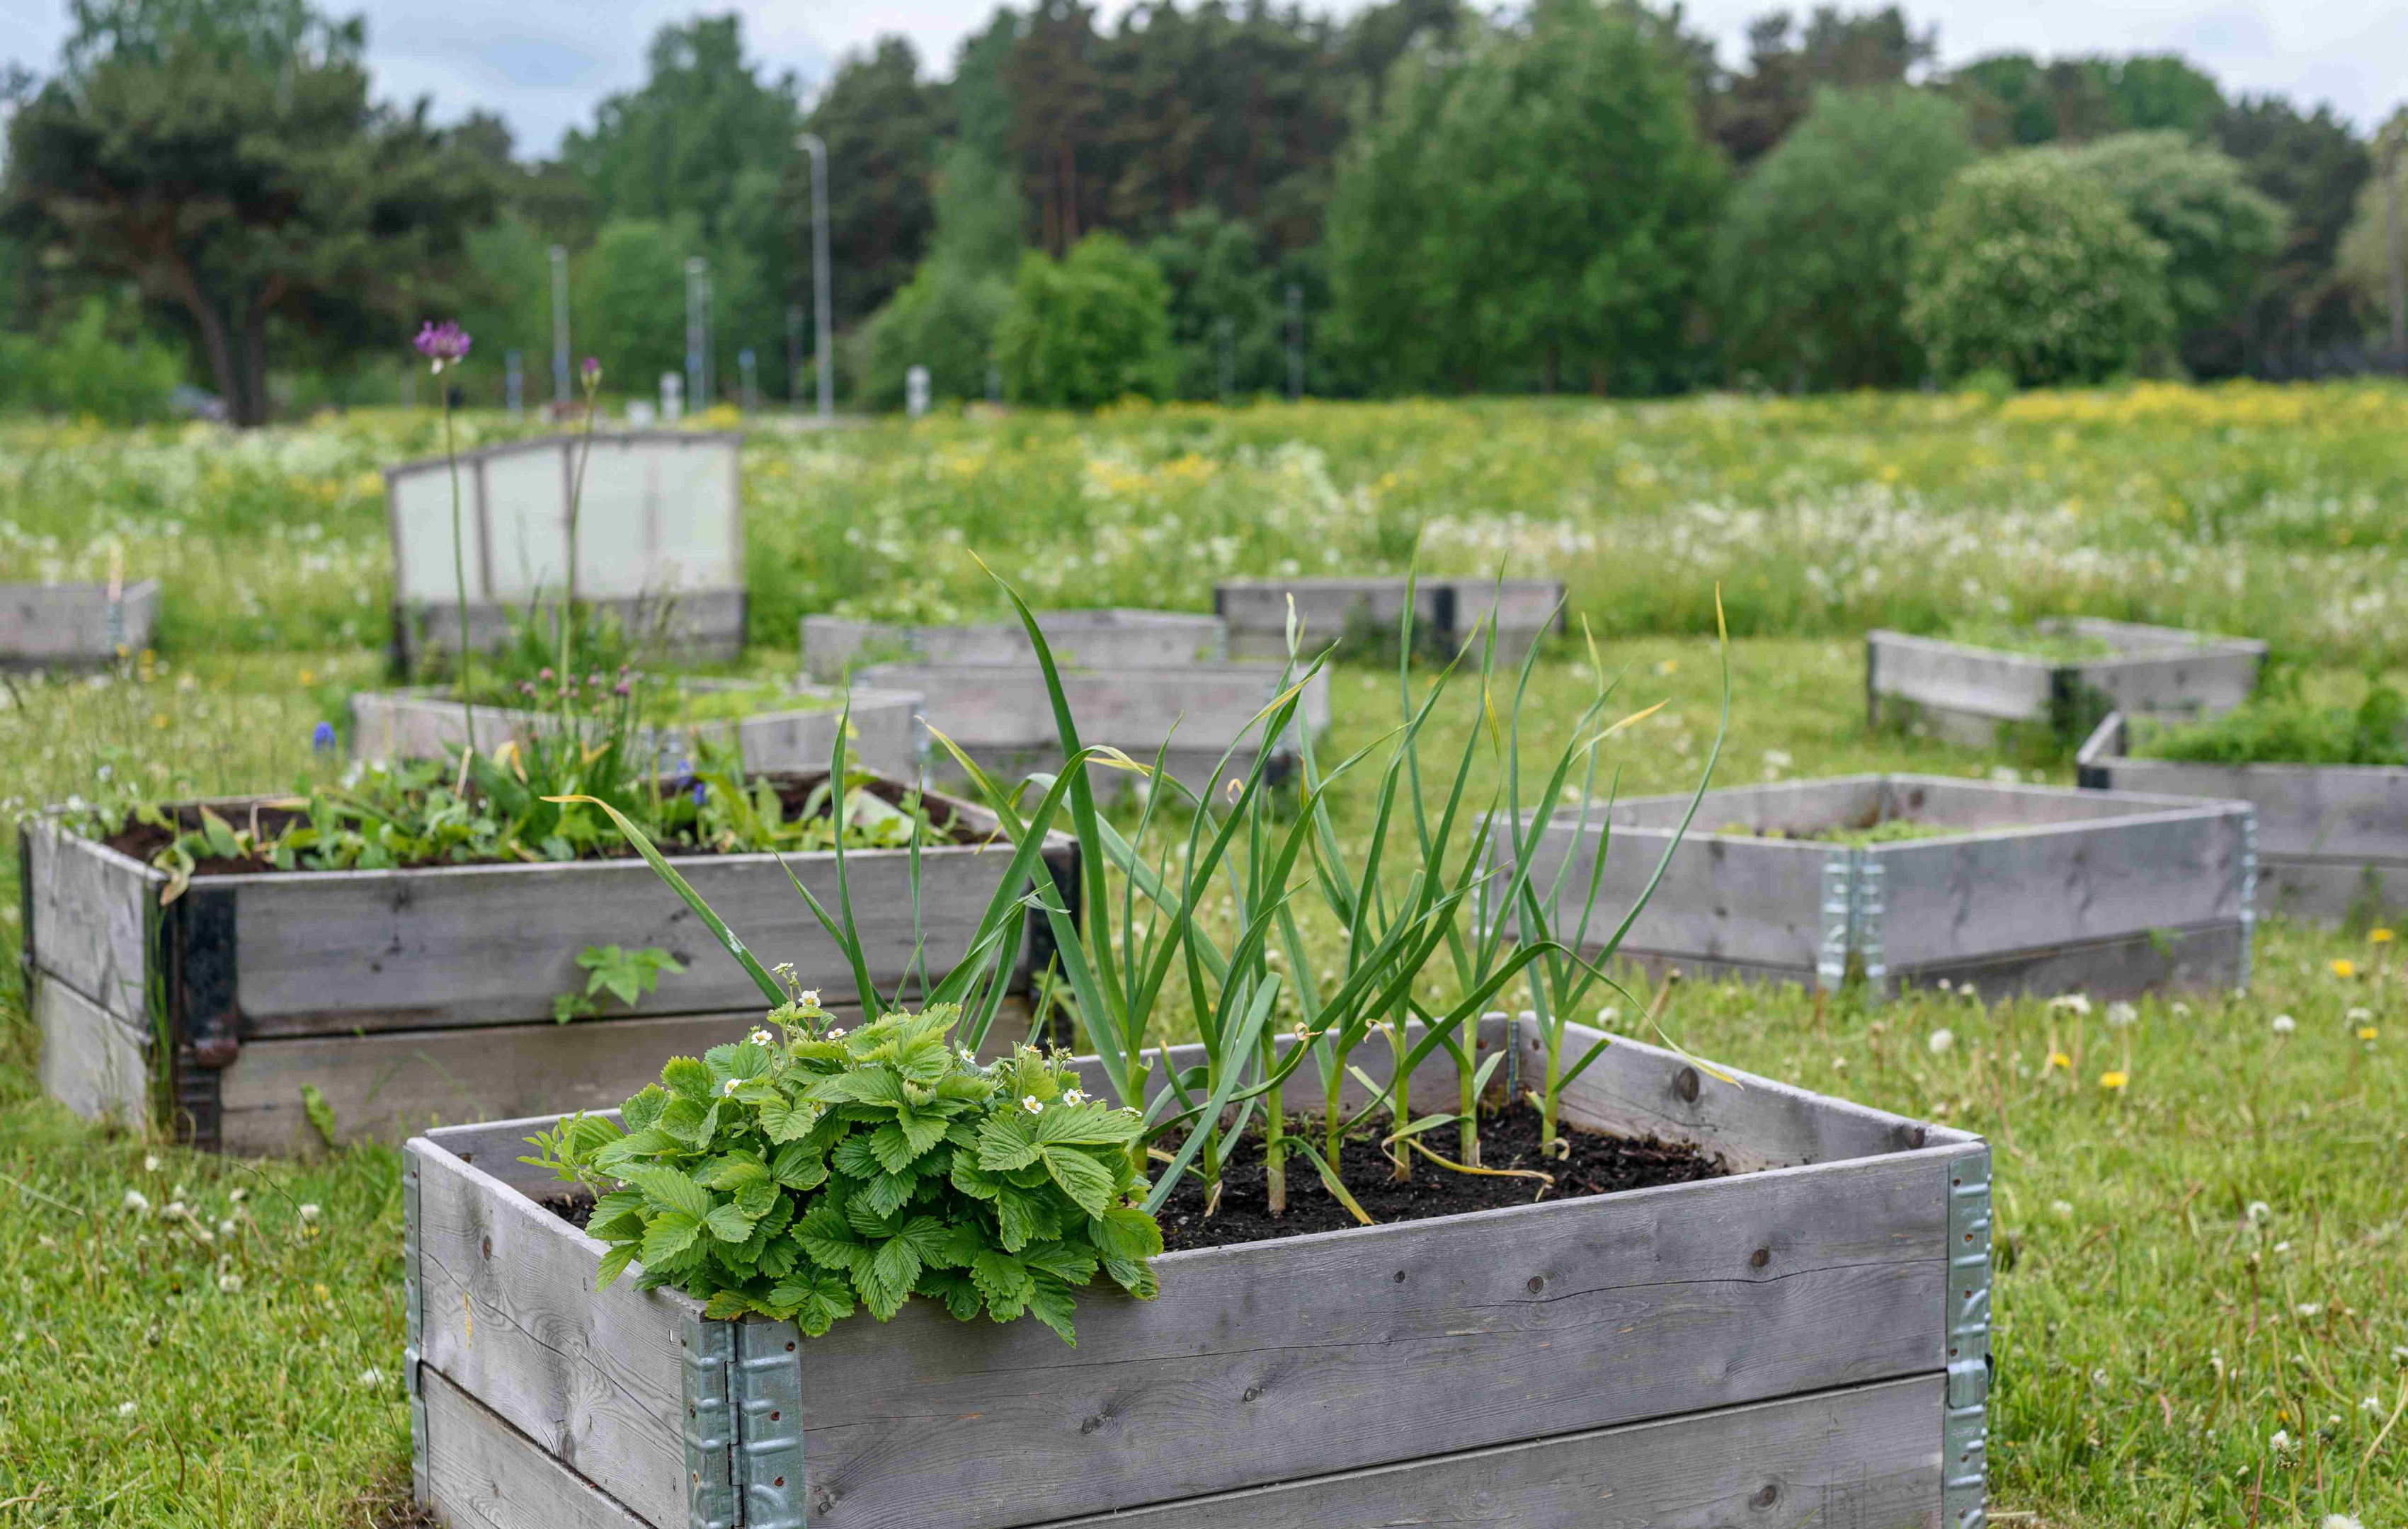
(446, 345)
(592, 375)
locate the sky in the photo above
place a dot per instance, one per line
(543, 63)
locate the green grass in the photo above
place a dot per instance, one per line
(2155, 1328)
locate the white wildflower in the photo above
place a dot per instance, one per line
(760, 1038)
(2258, 1211)
(150, 1162)
(1942, 1039)
(2283, 1246)
(2281, 1442)
(2341, 1520)
(225, 1228)
(2006, 774)
(174, 1212)
(126, 1409)
(2070, 1003)
(309, 1212)
(239, 1195)
(2310, 1308)
(2370, 1404)
(230, 1283)
(811, 998)
(2285, 1025)
(730, 1086)
(1032, 1103)
(1074, 1096)
(372, 1378)
(2120, 1015)
(2359, 1016)
(137, 1202)
(2061, 1209)
(2099, 1378)
(2179, 1010)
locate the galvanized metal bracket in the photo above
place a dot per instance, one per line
(1965, 1318)
(1839, 920)
(413, 1313)
(1868, 920)
(2248, 889)
(743, 1386)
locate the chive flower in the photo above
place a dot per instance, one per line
(445, 344)
(321, 738)
(701, 794)
(593, 370)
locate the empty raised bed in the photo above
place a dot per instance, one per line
(1913, 879)
(1003, 718)
(75, 625)
(1448, 611)
(406, 996)
(2059, 676)
(1085, 639)
(1803, 1341)
(2332, 840)
(660, 539)
(795, 732)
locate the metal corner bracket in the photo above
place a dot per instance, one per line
(2248, 890)
(413, 1353)
(1965, 1317)
(743, 1391)
(1839, 920)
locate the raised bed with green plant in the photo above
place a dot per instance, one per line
(1810, 1305)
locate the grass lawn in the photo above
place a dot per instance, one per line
(2203, 1297)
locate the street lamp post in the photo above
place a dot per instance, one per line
(694, 267)
(823, 353)
(560, 324)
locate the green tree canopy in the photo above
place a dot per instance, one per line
(1541, 208)
(2025, 268)
(1811, 259)
(1087, 329)
(2219, 231)
(882, 126)
(242, 182)
(1218, 275)
(946, 316)
(2313, 166)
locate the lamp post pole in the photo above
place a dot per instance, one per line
(823, 353)
(560, 324)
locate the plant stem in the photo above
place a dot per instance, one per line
(1274, 1131)
(1401, 1105)
(459, 572)
(1552, 1090)
(1466, 1074)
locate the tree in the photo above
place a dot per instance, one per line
(1218, 276)
(2026, 269)
(1540, 209)
(2374, 247)
(2017, 100)
(946, 316)
(1087, 329)
(2218, 231)
(882, 125)
(1755, 110)
(1812, 257)
(224, 156)
(2313, 166)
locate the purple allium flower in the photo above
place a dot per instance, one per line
(544, 673)
(443, 344)
(593, 370)
(322, 737)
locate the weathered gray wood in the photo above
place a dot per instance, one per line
(1750, 1122)
(1965, 693)
(1866, 1456)
(1524, 611)
(2044, 881)
(2332, 840)
(93, 1062)
(1645, 1304)
(426, 724)
(385, 1085)
(701, 626)
(1111, 638)
(74, 625)
(2125, 966)
(91, 909)
(1002, 714)
(511, 1317)
(487, 1475)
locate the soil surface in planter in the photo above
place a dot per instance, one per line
(142, 842)
(1887, 831)
(1509, 1139)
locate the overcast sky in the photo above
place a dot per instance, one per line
(543, 63)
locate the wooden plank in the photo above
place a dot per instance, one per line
(511, 1317)
(92, 910)
(327, 952)
(386, 1085)
(1982, 683)
(1257, 610)
(93, 1062)
(485, 1474)
(2331, 891)
(1724, 899)
(2013, 889)
(2205, 959)
(1505, 1325)
(68, 625)
(1752, 1123)
(2310, 810)
(702, 625)
(1108, 638)
(1866, 1456)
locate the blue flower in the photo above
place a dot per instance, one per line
(700, 792)
(322, 737)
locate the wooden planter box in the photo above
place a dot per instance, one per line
(660, 538)
(1805, 1343)
(1968, 694)
(45, 627)
(2050, 891)
(424, 724)
(1451, 610)
(415, 996)
(1003, 718)
(833, 645)
(2332, 840)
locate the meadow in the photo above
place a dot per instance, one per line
(2203, 1230)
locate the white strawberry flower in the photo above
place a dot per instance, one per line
(1032, 1103)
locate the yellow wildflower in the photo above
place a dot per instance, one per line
(2115, 1081)
(2379, 937)
(308, 677)
(2368, 1032)
(2059, 1059)
(2344, 968)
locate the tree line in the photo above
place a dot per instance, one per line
(1574, 195)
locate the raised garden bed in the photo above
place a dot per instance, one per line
(47, 627)
(2332, 840)
(1803, 1341)
(1447, 612)
(1979, 696)
(660, 539)
(1003, 719)
(407, 996)
(2044, 890)
(424, 724)
(833, 645)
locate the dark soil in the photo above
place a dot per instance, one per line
(141, 841)
(1509, 1139)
